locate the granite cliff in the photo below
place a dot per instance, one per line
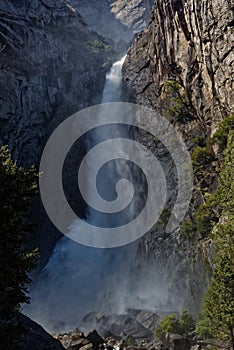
(117, 20)
(183, 66)
(192, 43)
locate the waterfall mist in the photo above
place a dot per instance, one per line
(80, 279)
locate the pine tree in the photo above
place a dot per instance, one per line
(17, 187)
(186, 323)
(218, 309)
(170, 324)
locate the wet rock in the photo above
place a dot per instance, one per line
(134, 324)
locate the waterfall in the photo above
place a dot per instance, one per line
(112, 89)
(80, 279)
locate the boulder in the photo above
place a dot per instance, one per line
(34, 337)
(121, 326)
(95, 338)
(177, 342)
(87, 347)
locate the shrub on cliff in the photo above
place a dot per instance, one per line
(221, 135)
(188, 229)
(206, 216)
(184, 325)
(179, 107)
(202, 156)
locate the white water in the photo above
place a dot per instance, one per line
(79, 279)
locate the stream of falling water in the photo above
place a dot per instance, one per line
(80, 279)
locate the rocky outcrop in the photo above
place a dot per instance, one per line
(185, 55)
(137, 324)
(77, 340)
(118, 20)
(192, 43)
(51, 65)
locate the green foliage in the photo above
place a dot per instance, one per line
(204, 326)
(207, 216)
(200, 141)
(218, 309)
(188, 229)
(219, 300)
(179, 108)
(17, 186)
(221, 135)
(171, 324)
(225, 191)
(186, 323)
(202, 156)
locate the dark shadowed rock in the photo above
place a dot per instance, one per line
(36, 338)
(51, 66)
(95, 338)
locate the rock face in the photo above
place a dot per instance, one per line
(188, 43)
(116, 20)
(51, 66)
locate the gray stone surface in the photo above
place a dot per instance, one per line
(190, 42)
(51, 66)
(116, 20)
(138, 324)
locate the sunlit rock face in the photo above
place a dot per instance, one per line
(190, 42)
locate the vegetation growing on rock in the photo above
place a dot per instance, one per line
(202, 156)
(217, 317)
(179, 108)
(184, 325)
(188, 229)
(221, 135)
